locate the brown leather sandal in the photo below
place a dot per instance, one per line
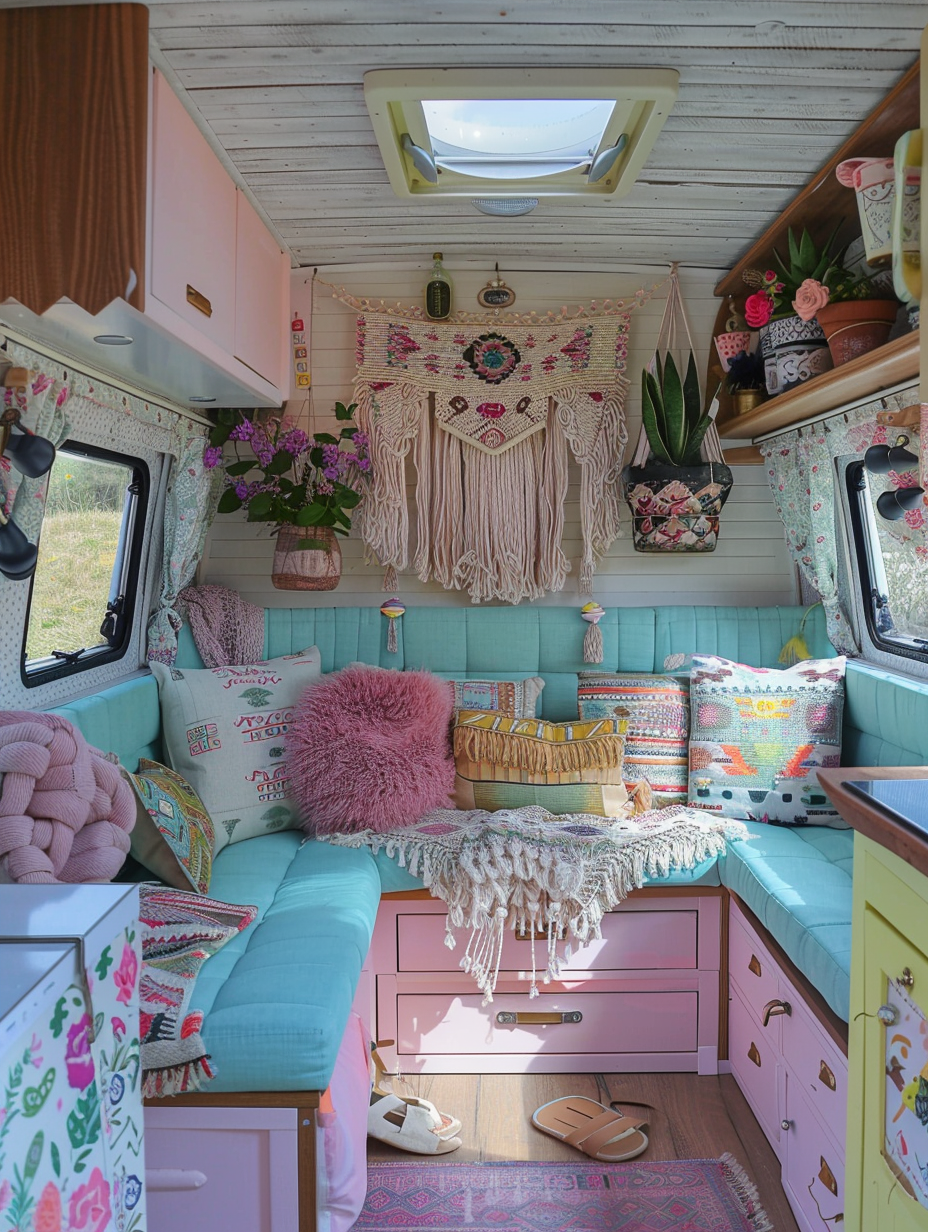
(595, 1130)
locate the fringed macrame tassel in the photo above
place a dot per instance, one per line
(390, 580)
(797, 649)
(593, 641)
(393, 610)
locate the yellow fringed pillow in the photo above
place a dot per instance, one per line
(502, 762)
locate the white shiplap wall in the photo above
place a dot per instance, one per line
(751, 564)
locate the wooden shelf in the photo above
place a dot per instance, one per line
(886, 366)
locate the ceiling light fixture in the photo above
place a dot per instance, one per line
(113, 339)
(505, 207)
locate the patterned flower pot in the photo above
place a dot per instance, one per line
(306, 559)
(794, 351)
(856, 326)
(874, 182)
(730, 344)
(676, 508)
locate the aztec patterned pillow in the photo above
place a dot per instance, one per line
(758, 736)
(179, 933)
(515, 698)
(224, 731)
(565, 767)
(173, 836)
(657, 711)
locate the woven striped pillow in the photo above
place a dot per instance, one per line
(565, 767)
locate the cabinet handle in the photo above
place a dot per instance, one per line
(199, 301)
(773, 1008)
(754, 1055)
(509, 1018)
(785, 1124)
(827, 1177)
(907, 979)
(163, 1180)
(826, 1077)
(754, 965)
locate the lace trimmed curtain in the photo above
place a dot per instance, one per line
(190, 505)
(802, 476)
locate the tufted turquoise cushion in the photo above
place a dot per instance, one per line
(797, 881)
(277, 997)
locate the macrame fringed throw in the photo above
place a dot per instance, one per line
(393, 610)
(593, 640)
(490, 414)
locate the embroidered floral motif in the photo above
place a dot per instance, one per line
(400, 345)
(577, 349)
(493, 358)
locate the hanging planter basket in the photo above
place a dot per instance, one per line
(306, 559)
(676, 508)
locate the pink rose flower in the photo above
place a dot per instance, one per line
(758, 309)
(77, 1057)
(119, 1028)
(125, 975)
(89, 1208)
(47, 1216)
(810, 297)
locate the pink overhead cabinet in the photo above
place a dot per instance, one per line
(262, 298)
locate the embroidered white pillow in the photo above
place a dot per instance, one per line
(225, 733)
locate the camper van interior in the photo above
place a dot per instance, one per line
(463, 617)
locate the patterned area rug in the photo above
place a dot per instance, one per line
(692, 1195)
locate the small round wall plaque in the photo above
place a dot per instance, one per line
(496, 294)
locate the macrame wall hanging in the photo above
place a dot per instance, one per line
(490, 407)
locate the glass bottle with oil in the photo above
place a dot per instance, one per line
(438, 291)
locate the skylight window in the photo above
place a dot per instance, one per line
(497, 138)
(467, 132)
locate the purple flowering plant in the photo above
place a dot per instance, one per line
(304, 480)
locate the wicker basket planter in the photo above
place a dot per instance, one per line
(306, 559)
(855, 326)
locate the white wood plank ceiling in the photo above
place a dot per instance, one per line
(768, 89)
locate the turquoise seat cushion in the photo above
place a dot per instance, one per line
(393, 878)
(797, 881)
(124, 719)
(277, 997)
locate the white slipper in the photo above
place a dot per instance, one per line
(413, 1125)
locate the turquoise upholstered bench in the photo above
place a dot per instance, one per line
(277, 997)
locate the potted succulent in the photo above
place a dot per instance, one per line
(674, 495)
(305, 486)
(745, 380)
(794, 349)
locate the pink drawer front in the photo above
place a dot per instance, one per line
(650, 1022)
(754, 1064)
(631, 941)
(818, 1068)
(750, 969)
(812, 1169)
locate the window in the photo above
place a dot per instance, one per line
(463, 132)
(83, 592)
(893, 577)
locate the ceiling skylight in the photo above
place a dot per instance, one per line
(447, 132)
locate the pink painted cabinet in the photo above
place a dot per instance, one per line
(262, 289)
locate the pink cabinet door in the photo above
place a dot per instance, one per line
(754, 1065)
(193, 211)
(813, 1168)
(262, 281)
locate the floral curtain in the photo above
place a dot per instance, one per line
(190, 505)
(802, 476)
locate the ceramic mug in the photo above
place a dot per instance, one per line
(874, 181)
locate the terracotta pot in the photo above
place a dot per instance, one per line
(306, 559)
(746, 399)
(794, 351)
(856, 326)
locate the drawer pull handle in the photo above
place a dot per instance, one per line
(199, 301)
(754, 965)
(173, 1180)
(785, 1124)
(826, 1077)
(827, 1177)
(509, 1018)
(754, 1055)
(773, 1008)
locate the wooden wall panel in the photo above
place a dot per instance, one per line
(74, 102)
(751, 564)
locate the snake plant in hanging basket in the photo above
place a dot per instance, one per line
(674, 495)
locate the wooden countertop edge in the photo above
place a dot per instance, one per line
(870, 820)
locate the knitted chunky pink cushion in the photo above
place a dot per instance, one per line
(370, 749)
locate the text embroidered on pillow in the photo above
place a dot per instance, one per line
(758, 735)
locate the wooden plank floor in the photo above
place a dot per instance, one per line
(698, 1118)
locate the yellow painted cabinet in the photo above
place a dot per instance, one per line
(887, 1158)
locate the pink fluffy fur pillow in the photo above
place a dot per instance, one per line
(370, 749)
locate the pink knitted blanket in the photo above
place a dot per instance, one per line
(226, 627)
(65, 810)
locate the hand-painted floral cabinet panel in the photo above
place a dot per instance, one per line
(71, 1148)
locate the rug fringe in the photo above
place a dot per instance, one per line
(745, 1191)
